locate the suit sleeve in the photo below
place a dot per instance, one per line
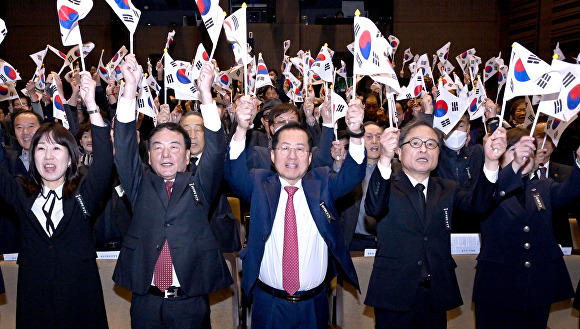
(95, 183)
(73, 119)
(321, 156)
(238, 176)
(3, 156)
(210, 171)
(8, 186)
(564, 193)
(378, 193)
(349, 177)
(127, 160)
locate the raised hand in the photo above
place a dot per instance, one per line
(389, 145)
(354, 116)
(338, 153)
(204, 83)
(494, 147)
(132, 73)
(87, 88)
(524, 155)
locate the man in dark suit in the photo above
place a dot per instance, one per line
(413, 281)
(546, 168)
(295, 244)
(170, 258)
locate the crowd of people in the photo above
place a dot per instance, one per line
(157, 191)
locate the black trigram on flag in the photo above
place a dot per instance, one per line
(423, 63)
(556, 133)
(543, 81)
(198, 65)
(477, 91)
(533, 59)
(75, 2)
(3, 78)
(3, 32)
(140, 103)
(568, 79)
(193, 89)
(327, 66)
(375, 59)
(445, 123)
(356, 29)
(235, 21)
(531, 117)
(438, 93)
(512, 85)
(339, 108)
(128, 18)
(173, 63)
(260, 78)
(209, 23)
(408, 96)
(454, 107)
(358, 60)
(169, 78)
(558, 106)
(70, 59)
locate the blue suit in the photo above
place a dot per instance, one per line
(262, 188)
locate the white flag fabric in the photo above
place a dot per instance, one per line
(201, 57)
(394, 41)
(237, 73)
(102, 70)
(566, 102)
(8, 91)
(417, 85)
(38, 57)
(286, 65)
(502, 76)
(286, 46)
(555, 128)
(170, 37)
(40, 79)
(446, 67)
(529, 75)
(323, 66)
(235, 28)
(463, 58)
(292, 80)
(448, 110)
(423, 65)
(342, 71)
(213, 18)
(7, 72)
(70, 12)
(350, 47)
(448, 82)
(117, 58)
(389, 79)
(153, 85)
(57, 52)
(474, 62)
(74, 53)
(368, 50)
(443, 52)
(145, 103)
(491, 68)
(407, 56)
(297, 62)
(176, 78)
(58, 103)
(530, 114)
(558, 51)
(476, 101)
(339, 106)
(223, 82)
(116, 73)
(262, 76)
(3, 30)
(127, 12)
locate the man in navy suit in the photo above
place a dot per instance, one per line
(295, 244)
(413, 281)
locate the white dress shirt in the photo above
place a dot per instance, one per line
(57, 212)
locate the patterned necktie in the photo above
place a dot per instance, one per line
(163, 268)
(48, 212)
(543, 172)
(290, 265)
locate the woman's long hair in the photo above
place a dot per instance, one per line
(57, 134)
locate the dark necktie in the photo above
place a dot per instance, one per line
(420, 188)
(48, 212)
(290, 265)
(543, 172)
(163, 267)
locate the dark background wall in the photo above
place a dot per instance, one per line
(423, 25)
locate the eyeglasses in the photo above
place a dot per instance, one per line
(417, 142)
(370, 136)
(285, 150)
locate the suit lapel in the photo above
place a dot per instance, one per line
(29, 201)
(312, 190)
(272, 188)
(158, 185)
(67, 208)
(180, 184)
(403, 183)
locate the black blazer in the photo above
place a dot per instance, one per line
(502, 278)
(58, 280)
(182, 220)
(404, 242)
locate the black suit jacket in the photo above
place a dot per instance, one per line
(405, 243)
(182, 220)
(560, 222)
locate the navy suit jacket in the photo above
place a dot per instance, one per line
(321, 186)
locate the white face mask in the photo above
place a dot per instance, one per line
(456, 140)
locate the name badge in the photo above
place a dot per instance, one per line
(447, 224)
(326, 212)
(120, 190)
(195, 196)
(538, 201)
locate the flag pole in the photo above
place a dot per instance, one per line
(504, 100)
(332, 109)
(82, 56)
(305, 76)
(544, 142)
(246, 78)
(164, 76)
(131, 41)
(483, 121)
(533, 125)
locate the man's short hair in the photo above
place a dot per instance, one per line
(270, 103)
(414, 124)
(281, 109)
(291, 126)
(172, 127)
(513, 135)
(20, 112)
(190, 113)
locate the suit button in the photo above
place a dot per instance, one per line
(158, 247)
(526, 229)
(420, 263)
(263, 239)
(167, 224)
(526, 245)
(527, 264)
(51, 247)
(425, 238)
(501, 193)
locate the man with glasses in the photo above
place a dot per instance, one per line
(295, 246)
(413, 281)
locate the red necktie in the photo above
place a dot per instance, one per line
(290, 266)
(543, 172)
(163, 268)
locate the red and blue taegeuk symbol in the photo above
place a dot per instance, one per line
(441, 108)
(123, 4)
(3, 91)
(67, 17)
(262, 69)
(204, 6)
(473, 106)
(573, 98)
(9, 71)
(182, 76)
(520, 71)
(364, 44)
(58, 103)
(224, 79)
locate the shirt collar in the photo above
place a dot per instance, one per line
(58, 191)
(285, 183)
(415, 182)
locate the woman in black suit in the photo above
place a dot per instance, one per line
(520, 269)
(58, 280)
